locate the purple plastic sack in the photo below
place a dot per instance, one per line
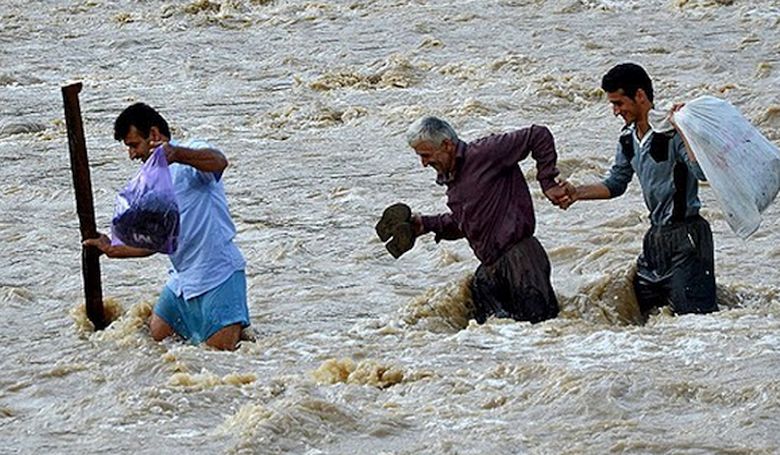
(145, 212)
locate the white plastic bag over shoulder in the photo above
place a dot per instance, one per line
(742, 166)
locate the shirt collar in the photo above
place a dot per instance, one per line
(635, 135)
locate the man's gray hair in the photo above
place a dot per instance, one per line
(430, 129)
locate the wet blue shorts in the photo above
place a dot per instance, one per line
(198, 318)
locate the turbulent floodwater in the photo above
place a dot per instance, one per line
(357, 352)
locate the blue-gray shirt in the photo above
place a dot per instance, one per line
(656, 176)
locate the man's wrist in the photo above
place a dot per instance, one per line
(418, 226)
(546, 184)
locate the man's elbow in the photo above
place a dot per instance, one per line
(612, 191)
(220, 161)
(542, 130)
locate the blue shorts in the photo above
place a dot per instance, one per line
(198, 318)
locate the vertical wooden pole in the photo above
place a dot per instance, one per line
(79, 166)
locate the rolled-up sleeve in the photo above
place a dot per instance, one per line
(619, 175)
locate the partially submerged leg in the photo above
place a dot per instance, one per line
(649, 295)
(692, 287)
(487, 295)
(159, 329)
(516, 286)
(168, 308)
(226, 338)
(527, 270)
(693, 281)
(225, 313)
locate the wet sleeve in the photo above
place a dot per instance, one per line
(619, 175)
(682, 155)
(535, 140)
(444, 226)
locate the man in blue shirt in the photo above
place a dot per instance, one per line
(205, 296)
(676, 266)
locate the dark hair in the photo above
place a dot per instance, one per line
(141, 116)
(629, 77)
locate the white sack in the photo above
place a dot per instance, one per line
(742, 166)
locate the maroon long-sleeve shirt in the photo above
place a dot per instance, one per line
(488, 196)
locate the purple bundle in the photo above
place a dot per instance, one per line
(146, 214)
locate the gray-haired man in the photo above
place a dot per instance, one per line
(490, 205)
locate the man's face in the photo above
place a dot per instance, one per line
(440, 157)
(138, 147)
(624, 106)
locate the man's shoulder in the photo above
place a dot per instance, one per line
(489, 140)
(499, 136)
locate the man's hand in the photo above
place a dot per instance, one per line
(417, 225)
(168, 149)
(563, 194)
(688, 150)
(675, 107)
(102, 243)
(571, 195)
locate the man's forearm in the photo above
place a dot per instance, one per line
(593, 191)
(688, 149)
(443, 226)
(543, 151)
(206, 160)
(124, 251)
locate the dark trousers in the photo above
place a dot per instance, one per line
(516, 286)
(677, 268)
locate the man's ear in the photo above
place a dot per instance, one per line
(640, 96)
(447, 145)
(154, 134)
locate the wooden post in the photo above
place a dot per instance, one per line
(79, 166)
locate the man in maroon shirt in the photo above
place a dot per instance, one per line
(490, 205)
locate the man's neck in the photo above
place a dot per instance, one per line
(449, 175)
(642, 125)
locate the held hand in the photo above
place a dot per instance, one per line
(569, 197)
(102, 243)
(561, 194)
(555, 193)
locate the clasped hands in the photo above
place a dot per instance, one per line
(563, 194)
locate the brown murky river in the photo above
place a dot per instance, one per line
(357, 353)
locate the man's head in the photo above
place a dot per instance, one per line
(138, 126)
(434, 141)
(629, 90)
